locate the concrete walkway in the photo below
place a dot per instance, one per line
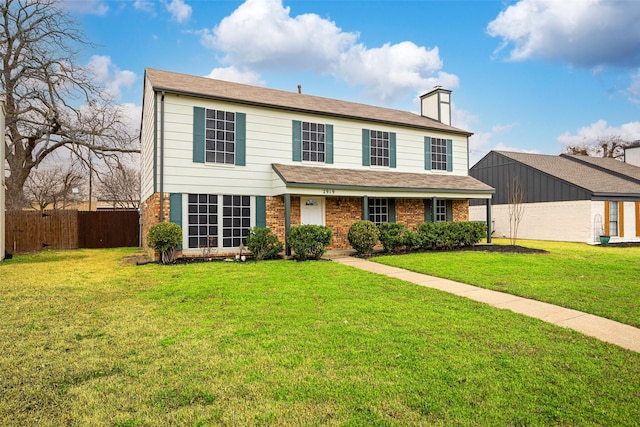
(604, 329)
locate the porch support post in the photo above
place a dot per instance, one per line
(365, 208)
(287, 222)
(433, 209)
(489, 231)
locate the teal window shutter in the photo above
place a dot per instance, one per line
(297, 140)
(391, 205)
(449, 155)
(365, 208)
(328, 140)
(366, 148)
(241, 139)
(198, 134)
(261, 211)
(427, 210)
(427, 153)
(175, 209)
(450, 210)
(392, 150)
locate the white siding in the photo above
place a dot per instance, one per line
(147, 141)
(632, 156)
(269, 140)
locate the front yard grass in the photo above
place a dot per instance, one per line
(601, 280)
(88, 340)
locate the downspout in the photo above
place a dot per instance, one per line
(162, 157)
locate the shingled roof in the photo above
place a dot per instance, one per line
(609, 165)
(387, 180)
(579, 173)
(206, 87)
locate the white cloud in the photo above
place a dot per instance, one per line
(600, 129)
(234, 74)
(180, 11)
(108, 74)
(261, 34)
(86, 7)
(587, 33)
(480, 143)
(144, 5)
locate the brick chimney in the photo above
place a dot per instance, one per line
(436, 105)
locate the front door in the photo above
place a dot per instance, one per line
(312, 210)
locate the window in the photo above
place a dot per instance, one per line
(441, 210)
(203, 220)
(220, 137)
(236, 220)
(313, 142)
(379, 148)
(613, 218)
(378, 211)
(439, 154)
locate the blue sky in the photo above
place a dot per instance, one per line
(527, 75)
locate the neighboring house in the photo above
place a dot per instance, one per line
(2, 201)
(632, 154)
(221, 157)
(567, 197)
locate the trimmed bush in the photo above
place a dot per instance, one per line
(449, 235)
(263, 244)
(309, 241)
(363, 236)
(392, 236)
(165, 237)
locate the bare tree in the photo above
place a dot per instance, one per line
(515, 201)
(120, 186)
(50, 102)
(52, 187)
(605, 146)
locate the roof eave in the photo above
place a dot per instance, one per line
(174, 91)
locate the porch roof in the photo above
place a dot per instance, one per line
(329, 177)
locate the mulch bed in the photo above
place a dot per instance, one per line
(504, 249)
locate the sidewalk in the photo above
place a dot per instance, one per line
(604, 329)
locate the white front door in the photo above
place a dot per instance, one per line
(312, 210)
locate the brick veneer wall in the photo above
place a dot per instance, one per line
(340, 218)
(151, 213)
(410, 212)
(460, 210)
(275, 214)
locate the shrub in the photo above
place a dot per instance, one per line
(309, 241)
(449, 235)
(363, 236)
(263, 244)
(392, 236)
(165, 238)
(412, 239)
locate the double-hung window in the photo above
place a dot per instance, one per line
(441, 210)
(613, 218)
(379, 147)
(220, 137)
(202, 220)
(236, 220)
(438, 154)
(205, 218)
(313, 142)
(379, 211)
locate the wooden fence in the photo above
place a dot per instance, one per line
(32, 231)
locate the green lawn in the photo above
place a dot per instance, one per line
(601, 280)
(88, 340)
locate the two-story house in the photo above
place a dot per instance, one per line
(220, 157)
